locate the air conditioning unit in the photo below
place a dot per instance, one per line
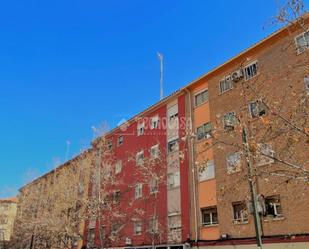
(238, 75)
(224, 236)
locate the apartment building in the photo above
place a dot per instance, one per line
(141, 177)
(8, 209)
(264, 92)
(205, 204)
(245, 121)
(179, 173)
(52, 208)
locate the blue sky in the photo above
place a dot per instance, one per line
(68, 65)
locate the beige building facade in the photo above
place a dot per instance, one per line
(8, 209)
(51, 209)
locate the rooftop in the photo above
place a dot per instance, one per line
(10, 199)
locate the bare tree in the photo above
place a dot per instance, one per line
(118, 203)
(52, 208)
(268, 130)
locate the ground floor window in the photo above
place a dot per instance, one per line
(209, 216)
(91, 237)
(240, 213)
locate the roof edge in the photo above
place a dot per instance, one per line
(305, 16)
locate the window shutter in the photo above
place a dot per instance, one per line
(173, 110)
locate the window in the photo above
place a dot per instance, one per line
(91, 236)
(173, 180)
(118, 167)
(109, 144)
(3, 219)
(153, 185)
(204, 131)
(120, 140)
(115, 229)
(273, 206)
(251, 70)
(138, 191)
(209, 216)
(105, 201)
(226, 84)
(116, 196)
(140, 157)
(233, 161)
(201, 97)
(257, 109)
(172, 112)
(302, 42)
(174, 221)
(140, 129)
(306, 81)
(173, 146)
(5, 206)
(138, 225)
(154, 151)
(102, 232)
(229, 121)
(240, 212)
(153, 225)
(154, 122)
(207, 171)
(266, 155)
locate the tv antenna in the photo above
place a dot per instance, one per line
(160, 56)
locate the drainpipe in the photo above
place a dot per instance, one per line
(190, 139)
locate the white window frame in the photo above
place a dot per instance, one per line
(172, 112)
(154, 185)
(229, 125)
(115, 194)
(301, 50)
(242, 216)
(206, 135)
(138, 191)
(236, 167)
(103, 231)
(265, 149)
(140, 128)
(247, 76)
(154, 151)
(153, 225)
(209, 210)
(154, 123)
(173, 180)
(259, 104)
(118, 167)
(176, 143)
(138, 227)
(207, 172)
(227, 80)
(199, 93)
(174, 226)
(276, 205)
(140, 157)
(91, 237)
